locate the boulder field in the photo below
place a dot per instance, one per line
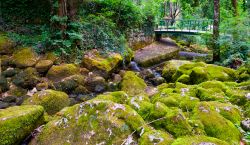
(196, 104)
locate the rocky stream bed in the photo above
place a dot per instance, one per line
(102, 102)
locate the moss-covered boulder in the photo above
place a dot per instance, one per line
(43, 65)
(3, 84)
(93, 122)
(132, 84)
(6, 45)
(215, 125)
(58, 72)
(244, 72)
(156, 137)
(103, 65)
(96, 84)
(199, 140)
(16, 123)
(52, 101)
(170, 67)
(25, 57)
(28, 78)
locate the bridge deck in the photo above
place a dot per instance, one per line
(181, 31)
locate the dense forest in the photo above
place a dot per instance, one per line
(125, 72)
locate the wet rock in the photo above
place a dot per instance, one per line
(9, 99)
(199, 140)
(134, 66)
(6, 45)
(246, 124)
(132, 84)
(59, 72)
(70, 83)
(103, 65)
(43, 65)
(147, 74)
(158, 80)
(96, 84)
(52, 101)
(3, 105)
(25, 57)
(27, 78)
(16, 123)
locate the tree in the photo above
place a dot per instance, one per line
(234, 4)
(216, 32)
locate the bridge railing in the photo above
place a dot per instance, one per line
(188, 25)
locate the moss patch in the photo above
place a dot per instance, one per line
(198, 140)
(25, 57)
(16, 123)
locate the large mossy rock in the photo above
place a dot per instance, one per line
(6, 45)
(93, 122)
(59, 72)
(16, 123)
(103, 65)
(199, 140)
(215, 125)
(132, 84)
(52, 101)
(195, 73)
(25, 57)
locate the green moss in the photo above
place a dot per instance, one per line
(52, 101)
(132, 84)
(156, 137)
(25, 57)
(6, 45)
(92, 122)
(215, 124)
(214, 84)
(117, 97)
(176, 123)
(197, 140)
(221, 73)
(212, 94)
(184, 79)
(237, 96)
(94, 60)
(16, 123)
(59, 72)
(198, 75)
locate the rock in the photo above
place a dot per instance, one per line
(185, 79)
(158, 80)
(70, 83)
(134, 66)
(25, 57)
(52, 57)
(246, 124)
(244, 72)
(132, 84)
(199, 140)
(3, 84)
(215, 125)
(155, 54)
(103, 65)
(198, 75)
(42, 86)
(9, 99)
(57, 73)
(171, 67)
(16, 123)
(15, 91)
(6, 45)
(156, 137)
(96, 121)
(3, 105)
(52, 101)
(43, 65)
(147, 74)
(5, 61)
(96, 84)
(27, 78)
(10, 72)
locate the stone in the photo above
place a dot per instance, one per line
(3, 84)
(16, 123)
(25, 57)
(96, 84)
(156, 53)
(28, 78)
(10, 72)
(132, 84)
(199, 140)
(43, 65)
(3, 105)
(6, 45)
(52, 101)
(103, 65)
(59, 72)
(246, 124)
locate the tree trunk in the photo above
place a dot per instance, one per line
(216, 32)
(234, 4)
(62, 12)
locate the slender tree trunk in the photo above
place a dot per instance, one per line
(235, 9)
(62, 12)
(216, 32)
